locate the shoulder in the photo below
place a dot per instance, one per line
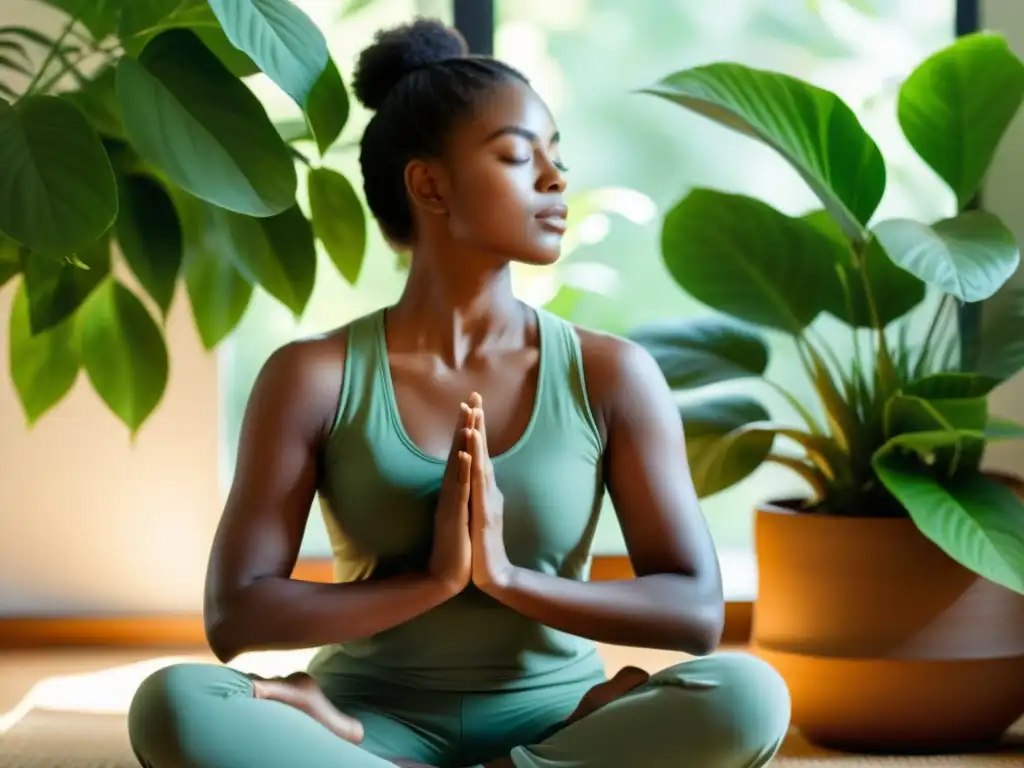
(301, 381)
(618, 372)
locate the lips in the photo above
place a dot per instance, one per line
(554, 217)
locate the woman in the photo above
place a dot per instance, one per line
(462, 630)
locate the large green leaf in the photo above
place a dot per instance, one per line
(999, 351)
(44, 366)
(969, 256)
(742, 257)
(974, 519)
(904, 413)
(327, 107)
(97, 98)
(124, 353)
(280, 38)
(276, 253)
(338, 220)
(55, 289)
(186, 114)
(956, 106)
(218, 293)
(10, 259)
(699, 351)
(149, 234)
(894, 290)
(98, 16)
(811, 128)
(719, 449)
(57, 189)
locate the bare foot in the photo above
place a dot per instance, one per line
(299, 690)
(624, 681)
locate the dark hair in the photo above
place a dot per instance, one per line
(420, 79)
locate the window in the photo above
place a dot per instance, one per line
(636, 156)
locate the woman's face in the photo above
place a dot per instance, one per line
(504, 178)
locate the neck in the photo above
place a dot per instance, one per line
(455, 304)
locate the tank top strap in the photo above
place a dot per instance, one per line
(361, 380)
(565, 405)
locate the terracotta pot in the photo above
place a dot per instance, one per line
(886, 643)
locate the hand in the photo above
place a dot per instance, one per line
(451, 558)
(491, 566)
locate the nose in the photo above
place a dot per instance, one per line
(552, 179)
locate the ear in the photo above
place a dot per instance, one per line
(425, 186)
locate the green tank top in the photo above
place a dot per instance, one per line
(378, 493)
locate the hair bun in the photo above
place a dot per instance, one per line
(397, 51)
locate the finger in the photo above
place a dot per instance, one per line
(476, 400)
(465, 472)
(479, 459)
(481, 427)
(458, 439)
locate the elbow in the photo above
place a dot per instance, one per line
(221, 622)
(710, 629)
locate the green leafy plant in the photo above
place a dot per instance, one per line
(902, 424)
(133, 141)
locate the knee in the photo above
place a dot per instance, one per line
(168, 699)
(744, 704)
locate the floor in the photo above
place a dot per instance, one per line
(66, 708)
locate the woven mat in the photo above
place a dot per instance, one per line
(51, 739)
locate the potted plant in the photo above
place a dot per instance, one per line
(897, 583)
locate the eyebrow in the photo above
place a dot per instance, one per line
(517, 130)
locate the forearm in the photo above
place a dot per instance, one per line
(279, 613)
(666, 611)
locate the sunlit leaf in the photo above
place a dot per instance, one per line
(338, 220)
(956, 106)
(124, 353)
(44, 366)
(327, 107)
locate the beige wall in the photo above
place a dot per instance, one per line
(91, 523)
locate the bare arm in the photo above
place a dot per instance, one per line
(251, 602)
(676, 600)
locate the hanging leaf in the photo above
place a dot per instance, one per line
(970, 256)
(813, 129)
(56, 289)
(282, 40)
(44, 366)
(744, 258)
(237, 62)
(338, 220)
(956, 106)
(699, 351)
(149, 234)
(327, 109)
(57, 189)
(186, 114)
(124, 353)
(10, 259)
(218, 293)
(894, 290)
(287, 275)
(951, 385)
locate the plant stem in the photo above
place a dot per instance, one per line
(883, 361)
(930, 336)
(300, 157)
(800, 408)
(54, 49)
(806, 471)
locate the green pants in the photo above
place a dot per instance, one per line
(727, 710)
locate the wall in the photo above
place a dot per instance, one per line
(91, 523)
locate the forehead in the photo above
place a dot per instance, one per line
(511, 104)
